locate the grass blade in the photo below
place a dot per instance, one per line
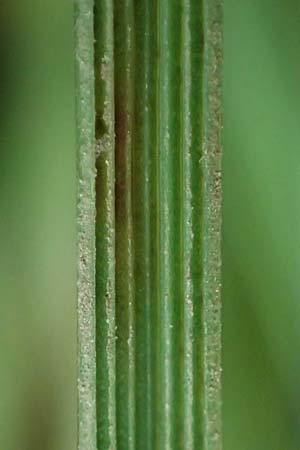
(158, 224)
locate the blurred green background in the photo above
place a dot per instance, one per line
(261, 245)
(37, 227)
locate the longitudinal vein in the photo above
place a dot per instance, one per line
(125, 302)
(170, 287)
(192, 71)
(105, 225)
(145, 219)
(85, 120)
(212, 107)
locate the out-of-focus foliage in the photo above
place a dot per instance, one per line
(37, 227)
(261, 248)
(262, 225)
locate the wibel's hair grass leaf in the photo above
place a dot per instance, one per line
(150, 345)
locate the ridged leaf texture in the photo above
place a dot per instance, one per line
(149, 196)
